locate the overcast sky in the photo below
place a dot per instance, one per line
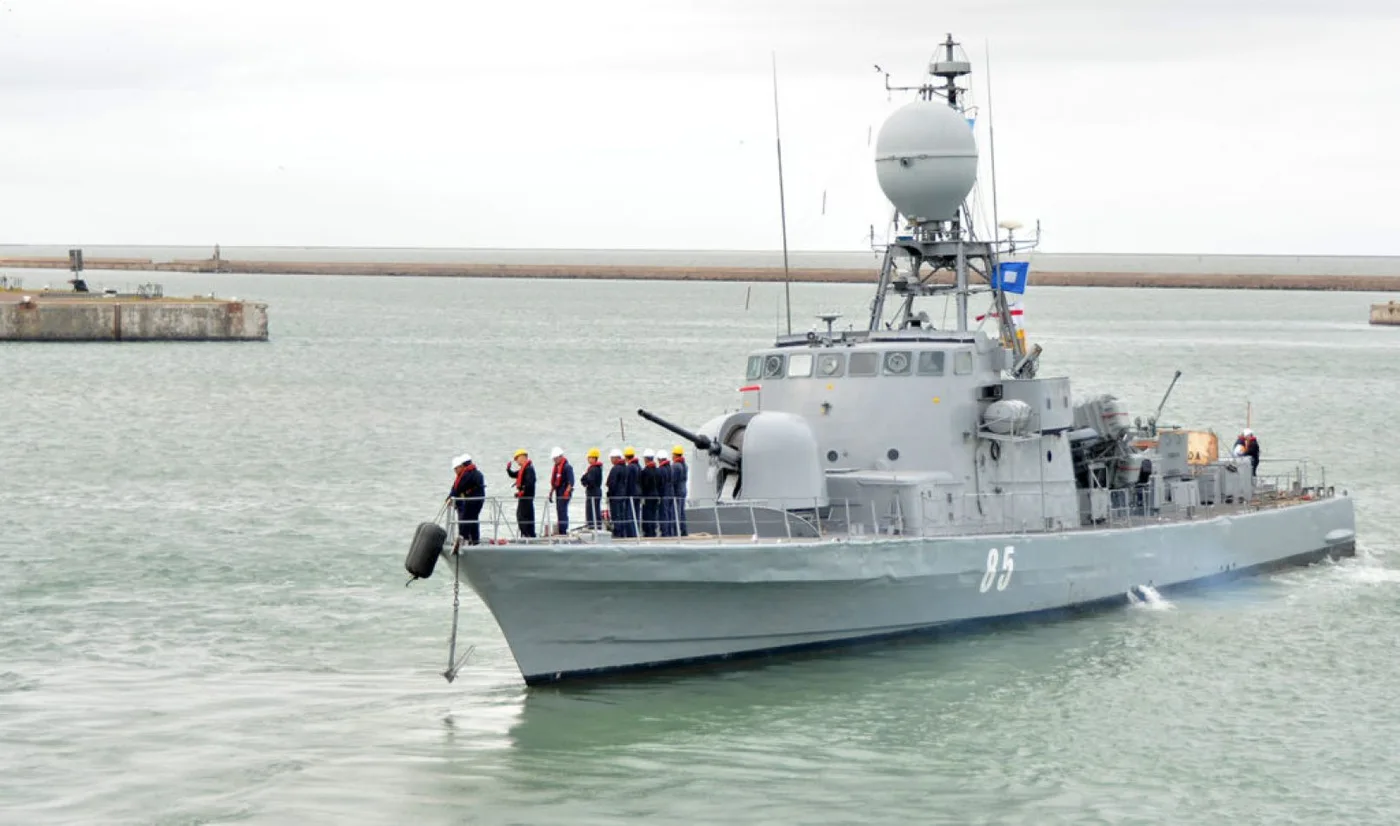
(1264, 126)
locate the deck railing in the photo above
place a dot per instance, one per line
(809, 519)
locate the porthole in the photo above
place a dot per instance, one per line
(1049, 456)
(832, 456)
(892, 453)
(897, 363)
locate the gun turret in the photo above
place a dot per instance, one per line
(702, 442)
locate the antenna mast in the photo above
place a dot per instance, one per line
(782, 200)
(992, 147)
(926, 161)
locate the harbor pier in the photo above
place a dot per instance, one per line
(1386, 314)
(62, 316)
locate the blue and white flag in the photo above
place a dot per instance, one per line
(1010, 276)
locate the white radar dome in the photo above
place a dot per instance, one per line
(926, 160)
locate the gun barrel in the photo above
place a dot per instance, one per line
(700, 441)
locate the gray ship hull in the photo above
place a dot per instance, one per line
(573, 610)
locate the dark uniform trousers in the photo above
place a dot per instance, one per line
(525, 516)
(469, 520)
(593, 510)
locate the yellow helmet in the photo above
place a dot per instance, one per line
(678, 450)
(521, 452)
(593, 453)
(629, 452)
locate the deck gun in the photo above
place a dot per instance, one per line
(714, 447)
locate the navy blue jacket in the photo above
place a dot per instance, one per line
(592, 479)
(617, 481)
(678, 479)
(663, 475)
(470, 484)
(650, 480)
(525, 480)
(561, 480)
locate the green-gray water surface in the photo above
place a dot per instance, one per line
(203, 616)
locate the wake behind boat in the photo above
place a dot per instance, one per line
(897, 478)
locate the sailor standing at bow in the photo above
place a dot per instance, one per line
(468, 494)
(634, 489)
(679, 488)
(561, 486)
(618, 486)
(651, 493)
(523, 472)
(666, 513)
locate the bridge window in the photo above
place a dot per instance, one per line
(829, 364)
(773, 366)
(898, 363)
(799, 365)
(931, 363)
(755, 368)
(864, 364)
(962, 362)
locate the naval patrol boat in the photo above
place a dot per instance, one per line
(897, 478)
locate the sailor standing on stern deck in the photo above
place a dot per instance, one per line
(523, 472)
(1247, 445)
(561, 487)
(468, 494)
(592, 482)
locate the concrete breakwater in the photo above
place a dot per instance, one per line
(49, 316)
(1386, 314)
(1046, 271)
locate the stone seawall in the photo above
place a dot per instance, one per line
(1040, 277)
(1386, 314)
(46, 317)
(1235, 281)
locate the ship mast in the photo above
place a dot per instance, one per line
(922, 165)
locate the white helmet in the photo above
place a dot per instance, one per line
(556, 453)
(648, 454)
(1248, 432)
(614, 454)
(460, 460)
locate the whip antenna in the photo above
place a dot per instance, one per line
(782, 201)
